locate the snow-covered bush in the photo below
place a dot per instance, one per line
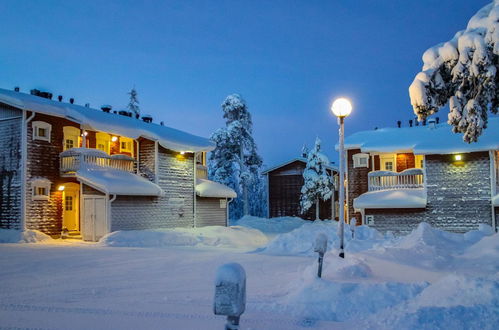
(463, 72)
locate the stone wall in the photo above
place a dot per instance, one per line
(458, 196)
(10, 167)
(174, 209)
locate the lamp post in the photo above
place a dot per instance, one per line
(341, 108)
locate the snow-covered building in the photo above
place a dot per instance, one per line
(69, 168)
(399, 177)
(284, 183)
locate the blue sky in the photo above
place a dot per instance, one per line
(289, 59)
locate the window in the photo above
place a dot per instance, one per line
(71, 137)
(419, 161)
(41, 131)
(201, 158)
(126, 145)
(103, 141)
(360, 160)
(68, 203)
(388, 162)
(40, 189)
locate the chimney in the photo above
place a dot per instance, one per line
(137, 116)
(59, 98)
(87, 105)
(375, 128)
(71, 100)
(437, 119)
(115, 112)
(432, 123)
(45, 95)
(399, 123)
(16, 89)
(162, 123)
(410, 122)
(147, 118)
(424, 122)
(125, 113)
(106, 108)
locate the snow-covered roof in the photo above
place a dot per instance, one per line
(207, 188)
(93, 119)
(299, 159)
(423, 140)
(392, 199)
(116, 182)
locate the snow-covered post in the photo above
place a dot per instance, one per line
(353, 224)
(320, 248)
(230, 293)
(341, 108)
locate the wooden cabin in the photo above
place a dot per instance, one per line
(284, 183)
(75, 170)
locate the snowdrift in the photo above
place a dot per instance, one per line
(236, 237)
(270, 226)
(27, 236)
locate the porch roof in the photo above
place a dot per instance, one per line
(392, 199)
(116, 182)
(207, 188)
(97, 120)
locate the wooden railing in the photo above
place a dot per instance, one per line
(201, 172)
(384, 180)
(74, 159)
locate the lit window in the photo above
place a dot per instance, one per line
(388, 166)
(41, 131)
(68, 203)
(419, 161)
(40, 189)
(71, 137)
(360, 160)
(201, 158)
(126, 145)
(103, 141)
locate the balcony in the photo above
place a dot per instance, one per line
(74, 159)
(386, 180)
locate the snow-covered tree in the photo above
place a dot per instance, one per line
(318, 183)
(462, 72)
(133, 104)
(235, 161)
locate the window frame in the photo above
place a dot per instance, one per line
(71, 133)
(126, 140)
(357, 160)
(40, 183)
(36, 125)
(104, 138)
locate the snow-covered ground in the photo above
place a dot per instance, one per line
(165, 279)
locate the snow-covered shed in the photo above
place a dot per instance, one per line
(83, 171)
(284, 183)
(399, 177)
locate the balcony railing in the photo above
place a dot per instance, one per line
(76, 158)
(383, 180)
(201, 172)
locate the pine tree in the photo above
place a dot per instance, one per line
(463, 72)
(318, 183)
(133, 104)
(235, 161)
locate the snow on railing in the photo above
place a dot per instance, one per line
(73, 159)
(382, 180)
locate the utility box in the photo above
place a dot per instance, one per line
(230, 290)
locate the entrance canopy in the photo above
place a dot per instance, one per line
(116, 182)
(207, 188)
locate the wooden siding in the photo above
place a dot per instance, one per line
(405, 161)
(10, 167)
(357, 183)
(209, 212)
(285, 185)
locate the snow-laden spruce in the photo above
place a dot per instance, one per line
(133, 104)
(235, 161)
(317, 183)
(463, 72)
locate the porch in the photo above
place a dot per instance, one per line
(75, 159)
(411, 178)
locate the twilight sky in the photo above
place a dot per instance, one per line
(288, 59)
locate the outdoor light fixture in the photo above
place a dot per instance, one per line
(114, 138)
(85, 133)
(182, 152)
(458, 157)
(342, 108)
(60, 188)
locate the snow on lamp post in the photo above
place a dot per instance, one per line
(341, 108)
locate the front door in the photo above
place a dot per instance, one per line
(94, 219)
(71, 206)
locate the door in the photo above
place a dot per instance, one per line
(94, 219)
(71, 206)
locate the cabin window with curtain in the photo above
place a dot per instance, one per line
(360, 160)
(41, 131)
(126, 145)
(103, 142)
(71, 137)
(40, 189)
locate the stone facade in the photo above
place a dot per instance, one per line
(10, 167)
(174, 209)
(458, 197)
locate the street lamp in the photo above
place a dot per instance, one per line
(341, 108)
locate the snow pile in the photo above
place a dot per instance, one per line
(27, 236)
(213, 236)
(272, 225)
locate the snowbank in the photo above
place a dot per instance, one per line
(214, 236)
(27, 236)
(272, 225)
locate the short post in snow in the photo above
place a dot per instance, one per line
(230, 293)
(320, 248)
(353, 224)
